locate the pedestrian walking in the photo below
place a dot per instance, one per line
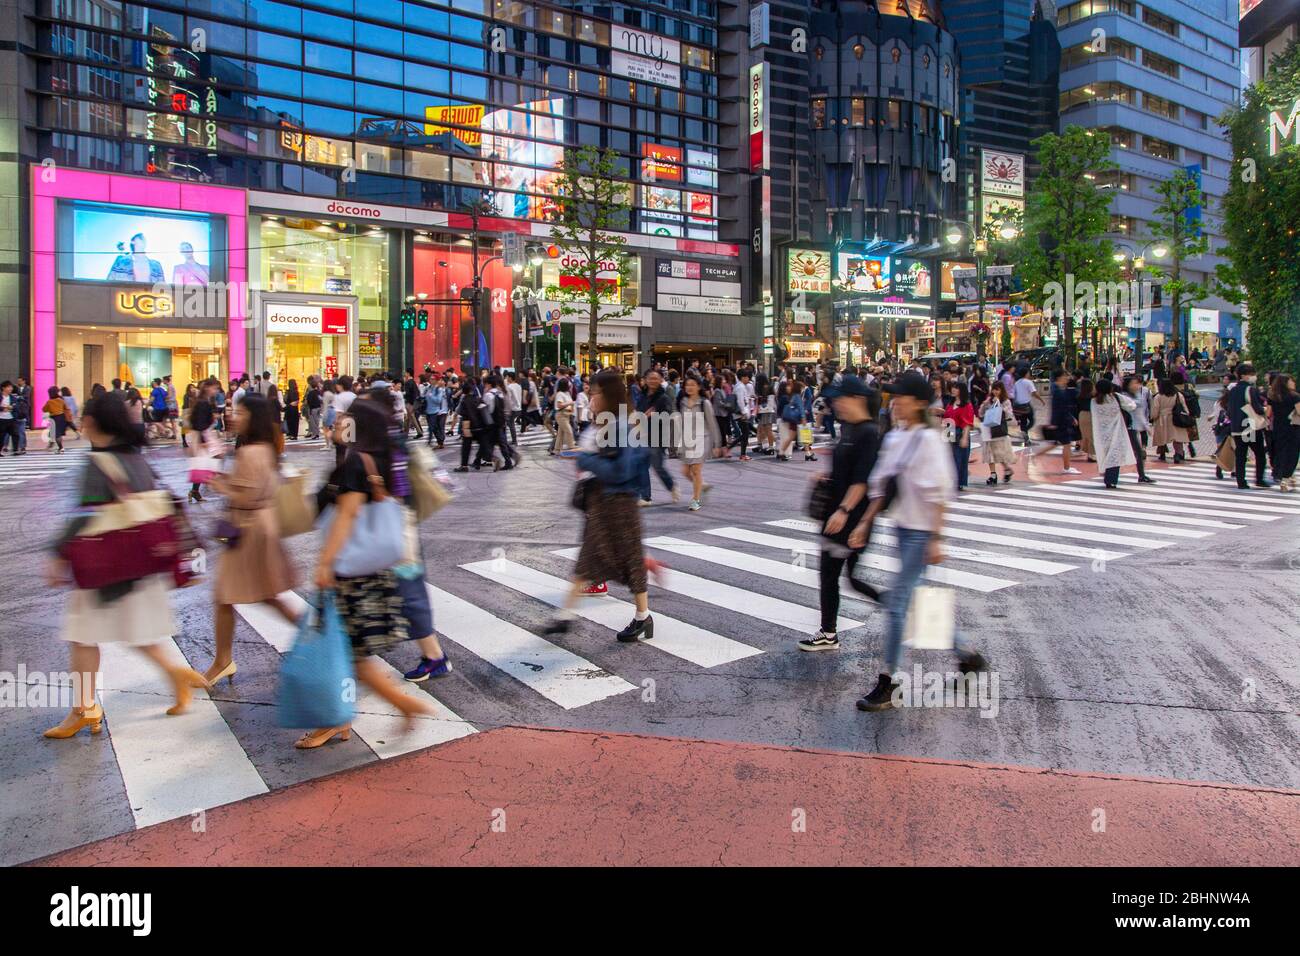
(564, 405)
(996, 414)
(1167, 410)
(654, 405)
(1282, 404)
(1110, 438)
(56, 413)
(134, 613)
(1137, 424)
(292, 415)
(845, 502)
(610, 476)
(961, 414)
(369, 605)
(253, 567)
(918, 469)
(698, 437)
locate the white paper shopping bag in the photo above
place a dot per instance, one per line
(930, 619)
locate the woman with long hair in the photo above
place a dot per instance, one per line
(1086, 390)
(132, 613)
(698, 436)
(369, 605)
(292, 416)
(765, 403)
(611, 533)
(1110, 435)
(253, 568)
(1282, 401)
(997, 448)
(1164, 432)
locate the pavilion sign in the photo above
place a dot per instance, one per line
(1280, 130)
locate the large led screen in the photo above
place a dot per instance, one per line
(135, 245)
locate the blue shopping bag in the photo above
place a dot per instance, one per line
(317, 685)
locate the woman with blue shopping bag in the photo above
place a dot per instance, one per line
(363, 527)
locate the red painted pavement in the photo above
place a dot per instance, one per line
(583, 798)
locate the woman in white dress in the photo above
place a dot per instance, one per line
(698, 436)
(133, 613)
(1110, 437)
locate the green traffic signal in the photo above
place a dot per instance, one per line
(424, 320)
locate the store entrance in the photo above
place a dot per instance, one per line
(297, 357)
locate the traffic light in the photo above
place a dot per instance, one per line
(408, 319)
(423, 320)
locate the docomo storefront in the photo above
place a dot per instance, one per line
(135, 278)
(297, 336)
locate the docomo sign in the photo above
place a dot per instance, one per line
(1279, 129)
(757, 117)
(306, 319)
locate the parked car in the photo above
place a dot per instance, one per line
(943, 358)
(1040, 361)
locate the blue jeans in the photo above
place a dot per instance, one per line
(961, 459)
(655, 461)
(912, 546)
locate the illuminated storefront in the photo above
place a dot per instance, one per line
(304, 335)
(135, 280)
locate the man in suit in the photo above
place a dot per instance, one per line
(1244, 394)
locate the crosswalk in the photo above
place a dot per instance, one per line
(38, 464)
(732, 594)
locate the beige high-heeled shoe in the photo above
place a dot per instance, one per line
(228, 672)
(78, 717)
(316, 738)
(184, 679)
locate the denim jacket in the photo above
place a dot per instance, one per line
(617, 469)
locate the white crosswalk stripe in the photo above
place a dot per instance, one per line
(796, 617)
(377, 722)
(1039, 510)
(38, 463)
(672, 636)
(1109, 506)
(1194, 496)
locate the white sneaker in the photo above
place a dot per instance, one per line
(645, 504)
(677, 496)
(694, 505)
(1071, 471)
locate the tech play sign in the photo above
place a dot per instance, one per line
(306, 320)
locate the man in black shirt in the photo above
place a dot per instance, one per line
(851, 464)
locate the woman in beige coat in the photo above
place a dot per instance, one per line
(254, 569)
(1163, 429)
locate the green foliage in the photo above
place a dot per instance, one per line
(593, 204)
(1261, 218)
(1179, 194)
(1065, 218)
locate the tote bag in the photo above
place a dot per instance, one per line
(317, 686)
(930, 619)
(294, 511)
(806, 436)
(375, 541)
(428, 494)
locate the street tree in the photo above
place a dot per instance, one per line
(592, 206)
(1261, 217)
(1066, 215)
(1177, 225)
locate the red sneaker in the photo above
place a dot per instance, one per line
(601, 588)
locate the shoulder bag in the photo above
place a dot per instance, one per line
(1182, 417)
(376, 540)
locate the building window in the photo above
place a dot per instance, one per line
(1160, 106)
(1086, 53)
(1159, 148)
(1090, 8)
(895, 115)
(697, 57)
(1097, 93)
(1114, 179)
(818, 113)
(1159, 63)
(858, 111)
(1124, 225)
(1159, 22)
(1120, 138)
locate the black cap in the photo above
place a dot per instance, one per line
(913, 384)
(849, 386)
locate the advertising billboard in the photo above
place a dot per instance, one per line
(645, 57)
(757, 117)
(947, 285)
(515, 140)
(912, 279)
(808, 270)
(861, 273)
(119, 244)
(469, 116)
(1002, 173)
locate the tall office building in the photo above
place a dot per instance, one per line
(1010, 69)
(331, 158)
(1153, 76)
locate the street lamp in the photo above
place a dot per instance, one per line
(1138, 264)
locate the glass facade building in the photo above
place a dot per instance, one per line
(364, 133)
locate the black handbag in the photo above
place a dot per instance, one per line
(1182, 418)
(821, 500)
(583, 491)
